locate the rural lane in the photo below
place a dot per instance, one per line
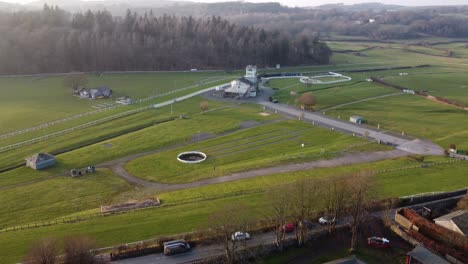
(415, 146)
(205, 251)
(346, 159)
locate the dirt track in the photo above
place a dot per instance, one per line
(347, 159)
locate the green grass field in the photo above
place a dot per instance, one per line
(269, 145)
(31, 196)
(415, 116)
(329, 95)
(31, 101)
(183, 218)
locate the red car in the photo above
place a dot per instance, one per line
(288, 228)
(378, 242)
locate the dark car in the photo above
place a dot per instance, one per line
(176, 247)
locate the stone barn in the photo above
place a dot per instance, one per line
(40, 161)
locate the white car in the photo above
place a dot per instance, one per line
(240, 236)
(324, 220)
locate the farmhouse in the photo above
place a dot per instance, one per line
(40, 161)
(101, 92)
(456, 221)
(246, 86)
(95, 93)
(356, 119)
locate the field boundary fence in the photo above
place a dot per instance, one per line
(422, 165)
(106, 119)
(85, 217)
(61, 121)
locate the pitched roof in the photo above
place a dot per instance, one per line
(40, 157)
(460, 218)
(247, 81)
(349, 260)
(425, 256)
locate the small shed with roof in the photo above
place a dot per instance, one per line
(422, 255)
(356, 119)
(40, 161)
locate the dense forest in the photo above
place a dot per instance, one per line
(53, 40)
(375, 23)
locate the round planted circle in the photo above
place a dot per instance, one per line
(191, 157)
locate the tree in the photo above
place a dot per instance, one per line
(463, 203)
(359, 186)
(307, 101)
(43, 251)
(75, 80)
(303, 206)
(223, 223)
(204, 106)
(280, 205)
(77, 250)
(333, 197)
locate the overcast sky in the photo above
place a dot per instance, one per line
(321, 2)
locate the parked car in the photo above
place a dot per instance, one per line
(378, 242)
(288, 228)
(324, 220)
(176, 247)
(240, 236)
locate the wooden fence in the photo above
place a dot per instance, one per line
(85, 217)
(109, 118)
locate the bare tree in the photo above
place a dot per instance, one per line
(223, 223)
(75, 80)
(280, 209)
(303, 206)
(204, 106)
(77, 250)
(359, 186)
(307, 101)
(333, 196)
(389, 206)
(43, 251)
(463, 203)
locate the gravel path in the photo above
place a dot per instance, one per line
(347, 159)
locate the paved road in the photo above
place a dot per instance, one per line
(347, 159)
(201, 252)
(415, 146)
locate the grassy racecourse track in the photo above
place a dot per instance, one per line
(236, 137)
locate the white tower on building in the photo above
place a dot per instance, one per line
(251, 73)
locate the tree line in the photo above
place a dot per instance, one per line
(379, 24)
(53, 40)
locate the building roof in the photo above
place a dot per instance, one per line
(460, 218)
(425, 256)
(40, 157)
(349, 260)
(246, 81)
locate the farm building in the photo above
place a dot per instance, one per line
(246, 86)
(422, 255)
(349, 260)
(356, 119)
(95, 93)
(40, 161)
(456, 221)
